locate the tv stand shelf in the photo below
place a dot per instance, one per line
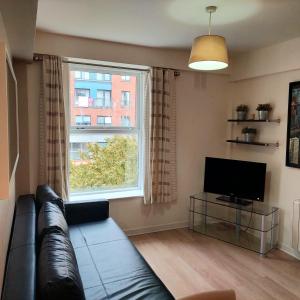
(254, 226)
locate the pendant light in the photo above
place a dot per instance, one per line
(209, 52)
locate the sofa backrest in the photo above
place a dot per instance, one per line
(20, 276)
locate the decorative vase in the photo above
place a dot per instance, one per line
(263, 115)
(241, 115)
(249, 137)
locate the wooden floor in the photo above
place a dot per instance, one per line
(188, 263)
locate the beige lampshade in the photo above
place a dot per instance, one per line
(209, 52)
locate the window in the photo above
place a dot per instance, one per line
(125, 121)
(103, 77)
(103, 99)
(83, 120)
(107, 77)
(103, 120)
(106, 156)
(77, 151)
(125, 77)
(125, 98)
(82, 75)
(82, 97)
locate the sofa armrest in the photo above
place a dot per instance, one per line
(86, 211)
(213, 295)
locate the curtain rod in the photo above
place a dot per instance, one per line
(39, 57)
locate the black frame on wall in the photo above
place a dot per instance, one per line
(293, 126)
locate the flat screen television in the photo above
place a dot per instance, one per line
(235, 179)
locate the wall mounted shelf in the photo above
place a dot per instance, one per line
(254, 143)
(254, 121)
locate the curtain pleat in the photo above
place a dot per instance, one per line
(53, 128)
(162, 138)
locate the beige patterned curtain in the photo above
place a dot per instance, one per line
(53, 127)
(160, 182)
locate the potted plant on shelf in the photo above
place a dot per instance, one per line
(242, 111)
(249, 134)
(263, 111)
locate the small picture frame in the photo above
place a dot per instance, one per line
(293, 126)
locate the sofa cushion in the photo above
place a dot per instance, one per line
(51, 219)
(45, 193)
(110, 266)
(58, 275)
(87, 211)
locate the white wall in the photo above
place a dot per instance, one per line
(281, 57)
(263, 76)
(203, 106)
(198, 135)
(199, 96)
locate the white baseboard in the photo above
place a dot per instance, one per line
(287, 249)
(156, 228)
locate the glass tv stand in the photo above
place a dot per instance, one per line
(254, 226)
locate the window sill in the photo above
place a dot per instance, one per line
(108, 196)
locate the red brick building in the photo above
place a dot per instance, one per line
(102, 103)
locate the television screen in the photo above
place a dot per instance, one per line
(235, 178)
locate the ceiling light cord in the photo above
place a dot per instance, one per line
(209, 24)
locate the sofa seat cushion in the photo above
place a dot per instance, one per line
(58, 275)
(94, 233)
(51, 219)
(110, 266)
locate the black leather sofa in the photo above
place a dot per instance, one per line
(110, 266)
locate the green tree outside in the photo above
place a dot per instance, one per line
(114, 165)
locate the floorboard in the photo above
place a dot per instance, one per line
(188, 262)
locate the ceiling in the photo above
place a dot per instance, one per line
(19, 19)
(246, 24)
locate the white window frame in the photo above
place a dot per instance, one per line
(117, 193)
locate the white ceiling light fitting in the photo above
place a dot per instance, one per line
(209, 52)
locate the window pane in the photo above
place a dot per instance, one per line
(77, 74)
(125, 121)
(125, 97)
(82, 97)
(110, 161)
(104, 120)
(125, 77)
(103, 99)
(104, 151)
(107, 77)
(110, 96)
(83, 120)
(86, 75)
